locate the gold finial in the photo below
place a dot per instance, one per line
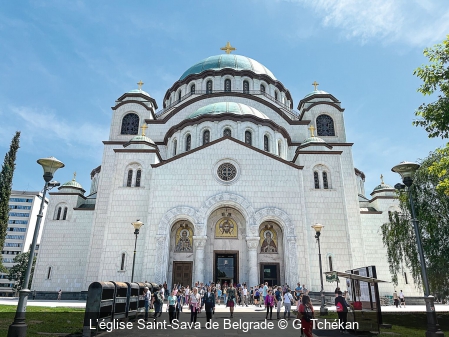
(382, 179)
(228, 49)
(140, 83)
(144, 127)
(312, 129)
(74, 176)
(315, 84)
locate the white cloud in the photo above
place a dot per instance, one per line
(418, 23)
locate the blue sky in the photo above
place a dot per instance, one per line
(63, 64)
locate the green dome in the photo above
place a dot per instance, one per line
(140, 138)
(313, 140)
(316, 92)
(383, 186)
(72, 184)
(227, 107)
(139, 91)
(222, 61)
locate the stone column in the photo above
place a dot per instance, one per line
(198, 260)
(252, 243)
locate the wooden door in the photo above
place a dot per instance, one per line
(182, 273)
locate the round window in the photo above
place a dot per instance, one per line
(226, 171)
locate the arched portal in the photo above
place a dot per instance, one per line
(181, 253)
(270, 253)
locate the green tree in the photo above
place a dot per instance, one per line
(17, 273)
(435, 115)
(6, 176)
(432, 211)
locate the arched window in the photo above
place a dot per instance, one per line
(64, 216)
(262, 88)
(325, 182)
(227, 132)
(188, 142)
(275, 95)
(331, 267)
(130, 124)
(130, 178)
(179, 95)
(192, 89)
(266, 145)
(245, 87)
(248, 138)
(279, 148)
(325, 126)
(175, 145)
(209, 87)
(138, 177)
(206, 137)
(58, 216)
(316, 180)
(227, 85)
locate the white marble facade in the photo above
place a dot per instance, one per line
(174, 181)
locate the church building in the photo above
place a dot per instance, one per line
(227, 178)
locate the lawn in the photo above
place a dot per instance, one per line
(56, 321)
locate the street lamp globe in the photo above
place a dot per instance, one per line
(407, 170)
(317, 227)
(137, 226)
(50, 165)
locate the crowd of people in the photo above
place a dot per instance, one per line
(207, 296)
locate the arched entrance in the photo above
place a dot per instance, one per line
(180, 264)
(271, 254)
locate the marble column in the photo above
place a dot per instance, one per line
(252, 243)
(199, 242)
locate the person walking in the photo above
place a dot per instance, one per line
(59, 294)
(231, 300)
(209, 303)
(306, 314)
(278, 296)
(265, 291)
(396, 299)
(402, 299)
(288, 300)
(178, 307)
(147, 297)
(298, 291)
(270, 301)
(195, 303)
(245, 295)
(157, 302)
(225, 294)
(172, 303)
(342, 311)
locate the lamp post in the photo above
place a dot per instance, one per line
(407, 171)
(318, 227)
(137, 226)
(18, 328)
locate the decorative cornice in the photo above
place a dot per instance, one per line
(227, 116)
(83, 209)
(382, 197)
(370, 212)
(234, 140)
(59, 193)
(136, 94)
(314, 152)
(134, 102)
(140, 151)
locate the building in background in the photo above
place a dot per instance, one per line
(23, 211)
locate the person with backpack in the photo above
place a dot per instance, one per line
(342, 311)
(306, 313)
(157, 302)
(257, 297)
(288, 301)
(278, 296)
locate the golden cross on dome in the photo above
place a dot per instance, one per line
(382, 179)
(140, 83)
(144, 127)
(312, 129)
(74, 176)
(315, 84)
(228, 49)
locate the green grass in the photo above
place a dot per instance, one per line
(44, 319)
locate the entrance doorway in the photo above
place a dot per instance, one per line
(226, 267)
(269, 272)
(182, 273)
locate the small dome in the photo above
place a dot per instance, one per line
(227, 107)
(383, 186)
(140, 138)
(232, 61)
(139, 91)
(316, 92)
(313, 140)
(72, 184)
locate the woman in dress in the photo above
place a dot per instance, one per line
(270, 302)
(307, 314)
(195, 303)
(231, 299)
